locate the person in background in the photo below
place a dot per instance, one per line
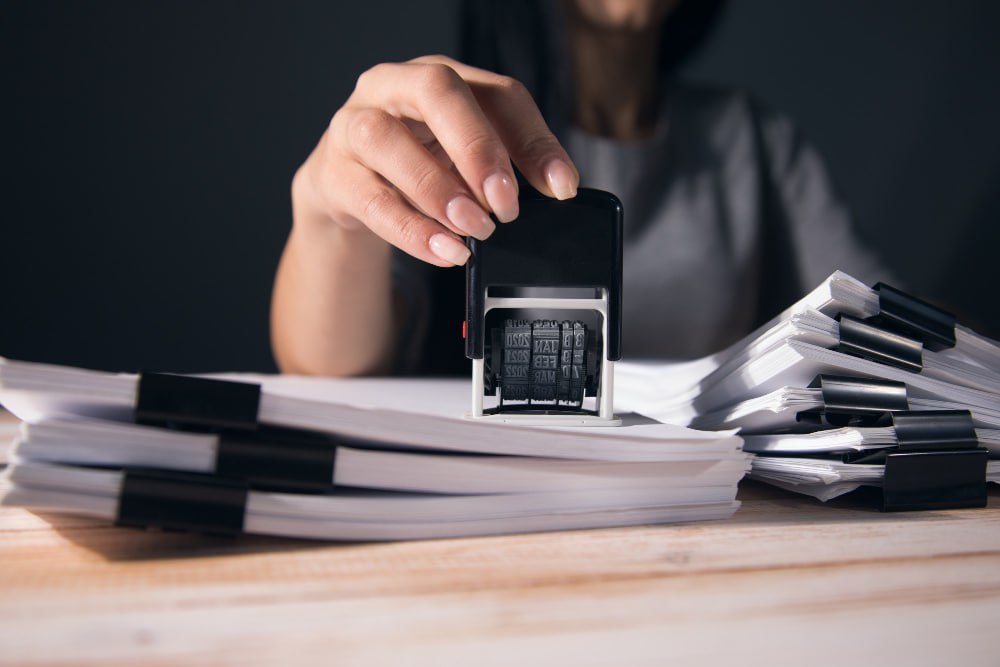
(729, 215)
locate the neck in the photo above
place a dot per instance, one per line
(615, 77)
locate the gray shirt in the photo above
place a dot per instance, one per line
(729, 217)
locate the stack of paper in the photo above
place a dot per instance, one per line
(366, 459)
(765, 385)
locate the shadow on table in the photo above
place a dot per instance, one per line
(766, 504)
(119, 543)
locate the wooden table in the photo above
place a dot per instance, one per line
(788, 580)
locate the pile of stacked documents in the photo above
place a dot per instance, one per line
(359, 459)
(850, 386)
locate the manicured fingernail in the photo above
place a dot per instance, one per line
(562, 179)
(501, 194)
(448, 248)
(469, 217)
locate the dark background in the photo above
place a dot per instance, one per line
(147, 150)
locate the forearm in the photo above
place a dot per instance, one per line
(332, 307)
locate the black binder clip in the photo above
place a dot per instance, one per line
(187, 401)
(898, 334)
(865, 339)
(541, 370)
(917, 319)
(278, 459)
(265, 456)
(182, 501)
(852, 401)
(937, 463)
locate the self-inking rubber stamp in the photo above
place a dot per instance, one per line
(543, 312)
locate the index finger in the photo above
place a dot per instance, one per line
(434, 94)
(516, 118)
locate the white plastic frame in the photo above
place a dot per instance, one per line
(605, 390)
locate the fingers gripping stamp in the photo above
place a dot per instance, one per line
(543, 312)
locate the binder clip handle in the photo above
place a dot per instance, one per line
(853, 401)
(932, 326)
(865, 339)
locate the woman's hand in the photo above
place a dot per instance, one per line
(415, 158)
(422, 151)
